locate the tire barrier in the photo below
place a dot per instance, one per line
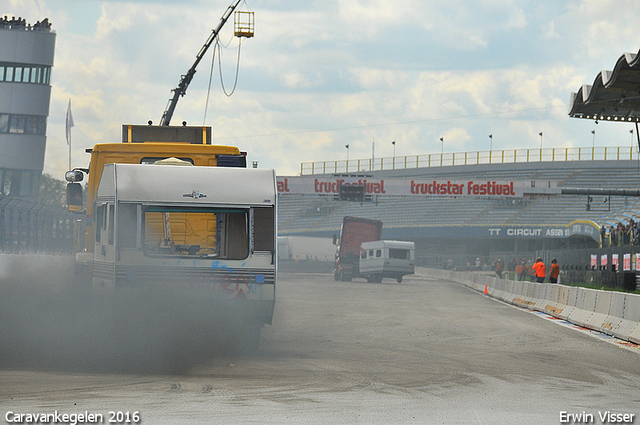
(612, 313)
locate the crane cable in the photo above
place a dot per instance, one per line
(206, 104)
(213, 58)
(235, 82)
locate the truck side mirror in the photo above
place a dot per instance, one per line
(335, 239)
(74, 197)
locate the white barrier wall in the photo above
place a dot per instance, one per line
(613, 313)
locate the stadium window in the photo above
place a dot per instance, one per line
(6, 183)
(33, 125)
(34, 74)
(17, 124)
(14, 183)
(23, 124)
(25, 184)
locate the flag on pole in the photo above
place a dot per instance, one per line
(69, 123)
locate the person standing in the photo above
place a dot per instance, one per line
(554, 272)
(540, 270)
(499, 268)
(520, 271)
(603, 236)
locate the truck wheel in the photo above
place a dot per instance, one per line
(379, 279)
(399, 279)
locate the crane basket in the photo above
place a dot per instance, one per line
(243, 24)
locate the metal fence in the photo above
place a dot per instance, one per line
(27, 226)
(471, 158)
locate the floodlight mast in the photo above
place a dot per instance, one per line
(185, 80)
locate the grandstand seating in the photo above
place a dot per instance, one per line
(318, 214)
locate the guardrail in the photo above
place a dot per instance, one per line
(470, 158)
(613, 313)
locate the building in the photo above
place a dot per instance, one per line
(438, 201)
(26, 59)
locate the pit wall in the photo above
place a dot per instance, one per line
(613, 313)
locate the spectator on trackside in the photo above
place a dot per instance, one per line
(499, 268)
(540, 270)
(520, 271)
(554, 271)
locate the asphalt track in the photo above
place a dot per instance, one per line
(419, 352)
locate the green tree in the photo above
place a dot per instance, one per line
(52, 191)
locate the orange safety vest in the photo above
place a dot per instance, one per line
(540, 269)
(555, 271)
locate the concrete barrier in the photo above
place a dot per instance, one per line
(614, 313)
(624, 316)
(600, 312)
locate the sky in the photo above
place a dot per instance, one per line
(320, 75)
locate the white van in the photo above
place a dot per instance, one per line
(380, 259)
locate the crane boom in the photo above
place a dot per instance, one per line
(185, 80)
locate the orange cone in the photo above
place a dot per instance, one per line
(486, 291)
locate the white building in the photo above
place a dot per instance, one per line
(26, 59)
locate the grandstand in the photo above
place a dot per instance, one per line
(466, 227)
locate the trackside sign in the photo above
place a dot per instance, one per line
(406, 186)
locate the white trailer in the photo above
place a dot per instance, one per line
(380, 259)
(199, 241)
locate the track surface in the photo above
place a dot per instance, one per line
(423, 352)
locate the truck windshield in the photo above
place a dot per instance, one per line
(196, 232)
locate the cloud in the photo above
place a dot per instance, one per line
(319, 75)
